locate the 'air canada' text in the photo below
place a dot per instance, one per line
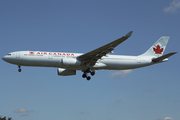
(52, 53)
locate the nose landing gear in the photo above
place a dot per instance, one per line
(19, 70)
(88, 71)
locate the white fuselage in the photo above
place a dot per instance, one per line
(69, 61)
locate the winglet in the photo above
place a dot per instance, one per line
(129, 34)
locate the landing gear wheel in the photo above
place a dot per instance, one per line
(19, 70)
(84, 75)
(88, 70)
(92, 73)
(88, 78)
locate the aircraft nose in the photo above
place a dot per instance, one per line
(4, 58)
(8, 58)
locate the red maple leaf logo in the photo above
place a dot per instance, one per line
(158, 50)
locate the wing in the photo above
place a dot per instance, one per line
(91, 58)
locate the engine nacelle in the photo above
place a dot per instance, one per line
(65, 72)
(70, 62)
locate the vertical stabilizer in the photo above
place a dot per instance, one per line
(158, 47)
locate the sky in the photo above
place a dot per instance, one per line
(149, 93)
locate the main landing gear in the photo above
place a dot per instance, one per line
(88, 71)
(19, 70)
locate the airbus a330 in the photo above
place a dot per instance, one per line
(68, 63)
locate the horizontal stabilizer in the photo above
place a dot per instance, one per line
(163, 57)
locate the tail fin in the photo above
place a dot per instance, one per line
(158, 48)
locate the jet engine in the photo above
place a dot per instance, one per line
(70, 62)
(65, 72)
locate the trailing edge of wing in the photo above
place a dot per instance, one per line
(163, 57)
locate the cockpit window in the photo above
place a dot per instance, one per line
(9, 54)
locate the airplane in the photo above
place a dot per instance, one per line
(68, 63)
